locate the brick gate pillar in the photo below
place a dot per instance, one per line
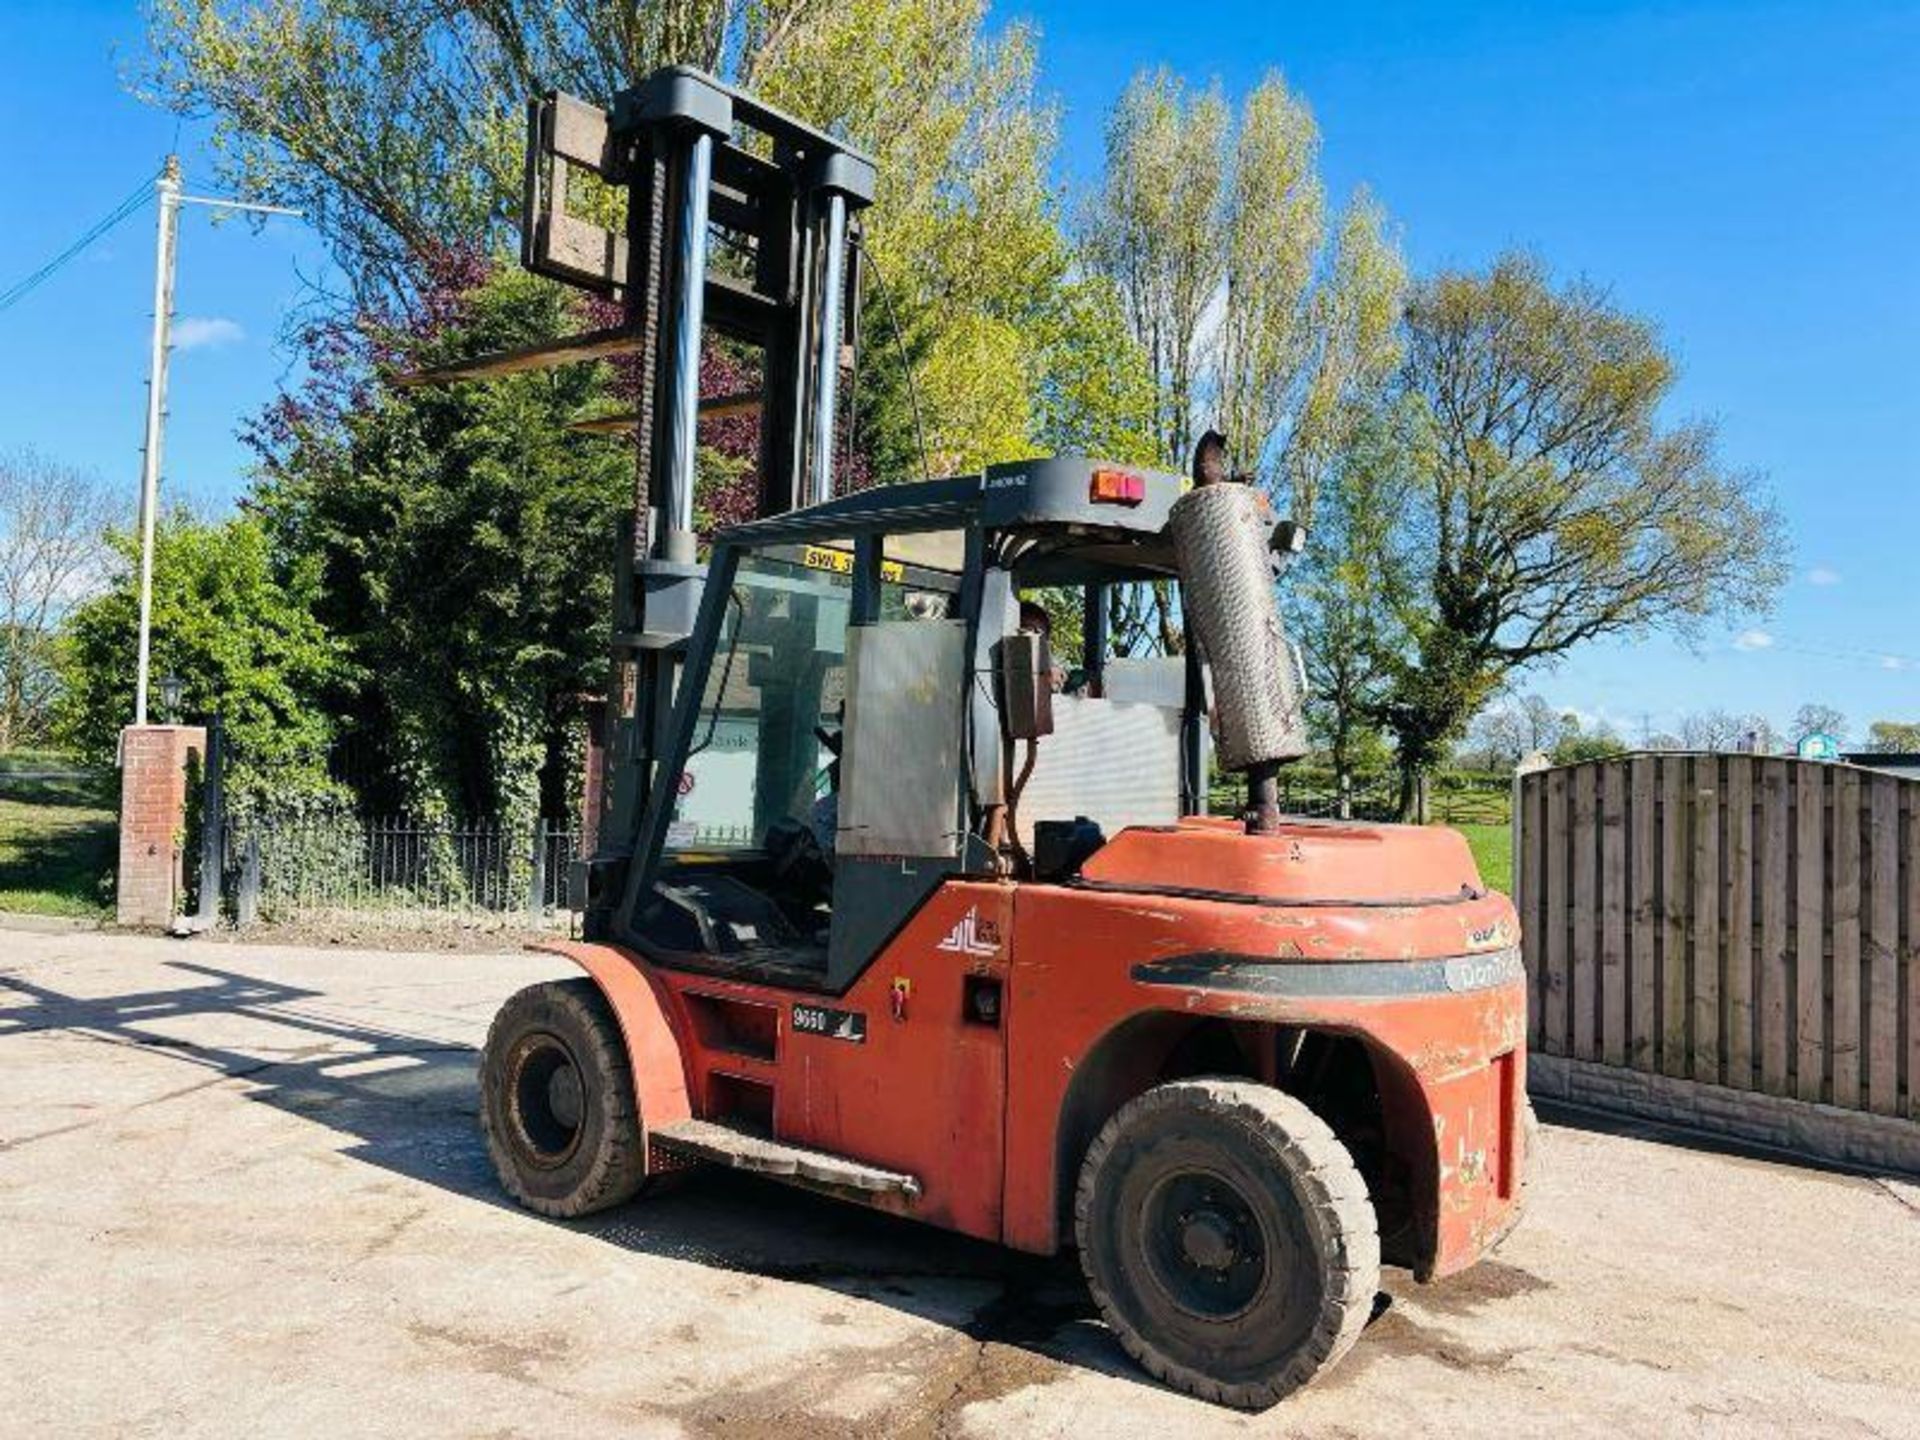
(153, 819)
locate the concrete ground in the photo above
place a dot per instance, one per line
(241, 1193)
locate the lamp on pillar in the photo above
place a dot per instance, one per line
(171, 687)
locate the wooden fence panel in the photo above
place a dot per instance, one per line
(1532, 810)
(1844, 1044)
(1704, 960)
(1555, 948)
(1809, 955)
(1910, 963)
(1741, 967)
(1643, 846)
(1673, 915)
(1776, 945)
(1883, 946)
(1745, 921)
(1586, 865)
(1613, 915)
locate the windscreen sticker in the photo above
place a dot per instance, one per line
(840, 562)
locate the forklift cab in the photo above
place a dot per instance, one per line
(780, 751)
(836, 739)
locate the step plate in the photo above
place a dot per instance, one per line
(762, 1156)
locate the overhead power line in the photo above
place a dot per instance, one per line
(26, 286)
(1833, 650)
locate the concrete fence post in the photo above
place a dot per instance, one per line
(1529, 765)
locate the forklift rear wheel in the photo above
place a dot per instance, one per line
(1227, 1238)
(557, 1101)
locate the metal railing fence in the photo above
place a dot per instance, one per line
(1453, 798)
(405, 870)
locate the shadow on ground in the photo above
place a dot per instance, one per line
(409, 1104)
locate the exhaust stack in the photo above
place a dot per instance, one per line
(1223, 534)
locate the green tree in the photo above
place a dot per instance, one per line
(1347, 594)
(1247, 306)
(238, 630)
(461, 541)
(964, 228)
(1096, 393)
(1894, 737)
(1577, 743)
(398, 127)
(1546, 503)
(1153, 228)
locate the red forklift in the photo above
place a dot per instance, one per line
(889, 904)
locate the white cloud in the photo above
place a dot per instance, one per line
(1821, 575)
(206, 332)
(1892, 662)
(1752, 640)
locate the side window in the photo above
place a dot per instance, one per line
(777, 683)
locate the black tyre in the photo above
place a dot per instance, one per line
(557, 1101)
(1227, 1238)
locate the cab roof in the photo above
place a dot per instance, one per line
(1062, 534)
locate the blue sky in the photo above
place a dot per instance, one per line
(1746, 174)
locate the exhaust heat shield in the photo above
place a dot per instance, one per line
(1222, 535)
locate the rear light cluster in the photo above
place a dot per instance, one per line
(1117, 487)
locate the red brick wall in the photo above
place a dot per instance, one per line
(153, 816)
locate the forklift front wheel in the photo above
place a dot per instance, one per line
(1227, 1238)
(557, 1101)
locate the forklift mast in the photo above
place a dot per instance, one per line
(677, 161)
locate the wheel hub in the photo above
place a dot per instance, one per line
(548, 1100)
(564, 1097)
(1207, 1240)
(1205, 1247)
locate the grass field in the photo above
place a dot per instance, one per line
(1492, 847)
(57, 829)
